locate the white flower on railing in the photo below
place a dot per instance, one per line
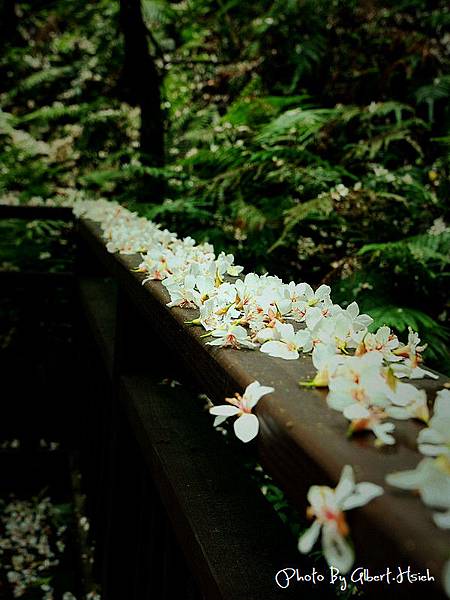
(246, 426)
(225, 264)
(384, 341)
(435, 439)
(233, 336)
(407, 402)
(181, 293)
(307, 304)
(326, 360)
(288, 345)
(208, 317)
(327, 506)
(358, 320)
(358, 380)
(370, 419)
(446, 578)
(411, 353)
(431, 478)
(314, 298)
(351, 326)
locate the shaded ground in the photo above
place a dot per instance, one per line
(40, 522)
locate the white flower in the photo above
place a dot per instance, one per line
(442, 519)
(408, 402)
(327, 505)
(412, 358)
(322, 333)
(446, 578)
(208, 317)
(246, 426)
(234, 270)
(358, 321)
(370, 419)
(246, 289)
(431, 478)
(288, 345)
(358, 380)
(159, 262)
(181, 293)
(306, 300)
(435, 439)
(326, 361)
(205, 289)
(383, 340)
(224, 264)
(231, 335)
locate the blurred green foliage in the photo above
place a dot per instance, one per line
(309, 138)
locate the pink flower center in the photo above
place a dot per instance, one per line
(231, 340)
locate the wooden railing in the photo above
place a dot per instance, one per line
(172, 510)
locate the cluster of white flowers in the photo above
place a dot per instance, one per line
(362, 369)
(431, 477)
(26, 551)
(66, 197)
(31, 545)
(280, 319)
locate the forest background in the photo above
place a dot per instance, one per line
(308, 137)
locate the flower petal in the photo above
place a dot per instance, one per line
(356, 411)
(346, 484)
(246, 427)
(407, 480)
(382, 433)
(309, 538)
(363, 494)
(442, 520)
(224, 410)
(432, 449)
(337, 551)
(217, 342)
(446, 577)
(279, 350)
(254, 392)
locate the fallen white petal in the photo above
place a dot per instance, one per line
(337, 551)
(309, 538)
(246, 427)
(224, 410)
(364, 492)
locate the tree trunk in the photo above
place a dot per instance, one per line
(9, 36)
(9, 32)
(140, 84)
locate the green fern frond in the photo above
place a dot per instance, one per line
(156, 12)
(57, 111)
(429, 94)
(255, 110)
(316, 208)
(383, 109)
(301, 124)
(39, 79)
(423, 249)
